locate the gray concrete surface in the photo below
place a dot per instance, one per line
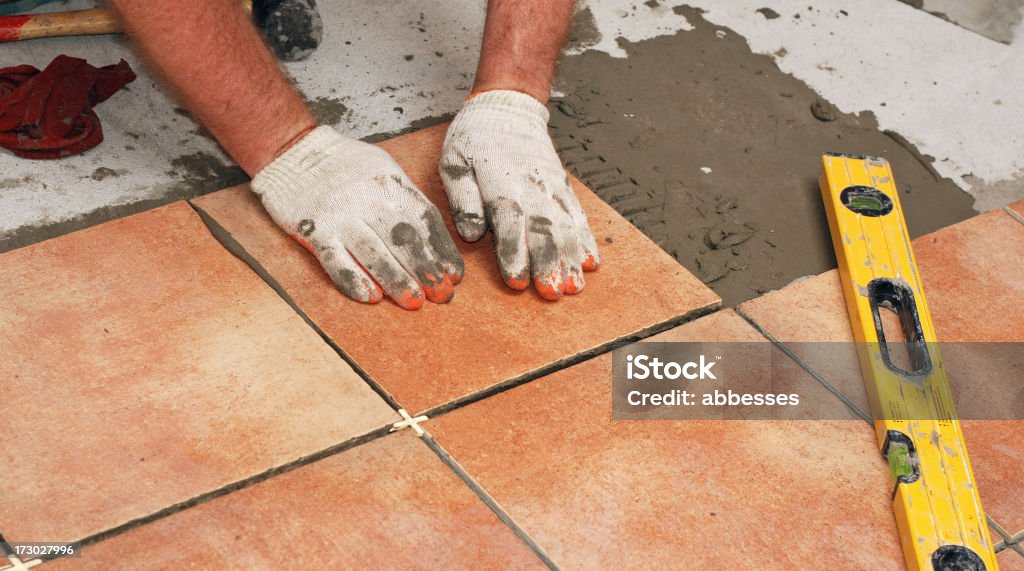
(995, 19)
(941, 99)
(723, 174)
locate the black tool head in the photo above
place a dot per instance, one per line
(293, 28)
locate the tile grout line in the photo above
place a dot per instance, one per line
(224, 237)
(236, 249)
(570, 361)
(14, 562)
(835, 391)
(232, 245)
(1009, 543)
(805, 366)
(488, 500)
(229, 488)
(237, 485)
(228, 241)
(998, 530)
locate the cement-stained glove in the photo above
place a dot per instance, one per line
(501, 170)
(351, 205)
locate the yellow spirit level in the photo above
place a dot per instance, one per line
(935, 499)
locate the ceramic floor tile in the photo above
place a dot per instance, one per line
(597, 493)
(144, 365)
(974, 283)
(387, 504)
(488, 334)
(972, 277)
(1010, 560)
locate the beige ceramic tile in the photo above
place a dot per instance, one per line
(387, 504)
(488, 334)
(597, 493)
(144, 365)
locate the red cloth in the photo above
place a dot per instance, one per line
(48, 114)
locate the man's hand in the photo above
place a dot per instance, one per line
(351, 205)
(501, 170)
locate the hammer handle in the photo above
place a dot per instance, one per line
(53, 24)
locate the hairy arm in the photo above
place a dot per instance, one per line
(522, 41)
(211, 55)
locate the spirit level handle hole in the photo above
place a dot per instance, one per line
(903, 348)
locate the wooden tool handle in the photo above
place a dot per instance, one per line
(54, 24)
(49, 25)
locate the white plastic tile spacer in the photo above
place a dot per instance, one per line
(409, 422)
(19, 565)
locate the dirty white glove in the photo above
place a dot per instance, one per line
(501, 170)
(351, 205)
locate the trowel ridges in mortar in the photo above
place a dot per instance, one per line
(721, 150)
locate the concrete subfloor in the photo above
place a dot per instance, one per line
(649, 94)
(995, 19)
(724, 173)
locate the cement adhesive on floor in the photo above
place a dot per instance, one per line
(390, 67)
(757, 221)
(714, 153)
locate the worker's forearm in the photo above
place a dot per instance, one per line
(522, 41)
(212, 56)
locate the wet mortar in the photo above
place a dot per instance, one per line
(714, 153)
(640, 130)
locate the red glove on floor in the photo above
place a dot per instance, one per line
(48, 114)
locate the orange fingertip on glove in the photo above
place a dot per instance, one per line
(500, 171)
(373, 232)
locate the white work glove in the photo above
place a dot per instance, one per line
(501, 170)
(351, 205)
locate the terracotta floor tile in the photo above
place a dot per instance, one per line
(488, 334)
(596, 493)
(387, 504)
(974, 281)
(144, 365)
(974, 278)
(808, 310)
(1010, 560)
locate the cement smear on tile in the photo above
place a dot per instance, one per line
(715, 154)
